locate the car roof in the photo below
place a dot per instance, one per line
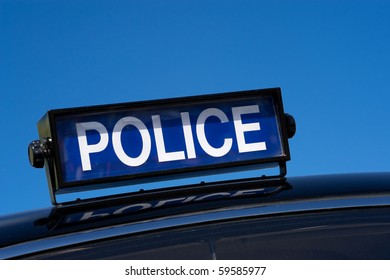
(197, 203)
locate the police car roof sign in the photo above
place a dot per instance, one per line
(147, 141)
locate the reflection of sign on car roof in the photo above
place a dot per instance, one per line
(118, 209)
(147, 141)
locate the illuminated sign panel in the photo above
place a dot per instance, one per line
(150, 140)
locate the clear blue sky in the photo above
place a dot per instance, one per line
(331, 59)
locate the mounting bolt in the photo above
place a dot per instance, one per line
(36, 154)
(38, 151)
(291, 125)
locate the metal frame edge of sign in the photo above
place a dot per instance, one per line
(57, 185)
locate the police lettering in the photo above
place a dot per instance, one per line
(190, 152)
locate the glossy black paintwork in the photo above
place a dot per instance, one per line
(347, 234)
(65, 219)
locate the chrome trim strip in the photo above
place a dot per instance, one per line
(282, 207)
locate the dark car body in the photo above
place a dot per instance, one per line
(313, 217)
